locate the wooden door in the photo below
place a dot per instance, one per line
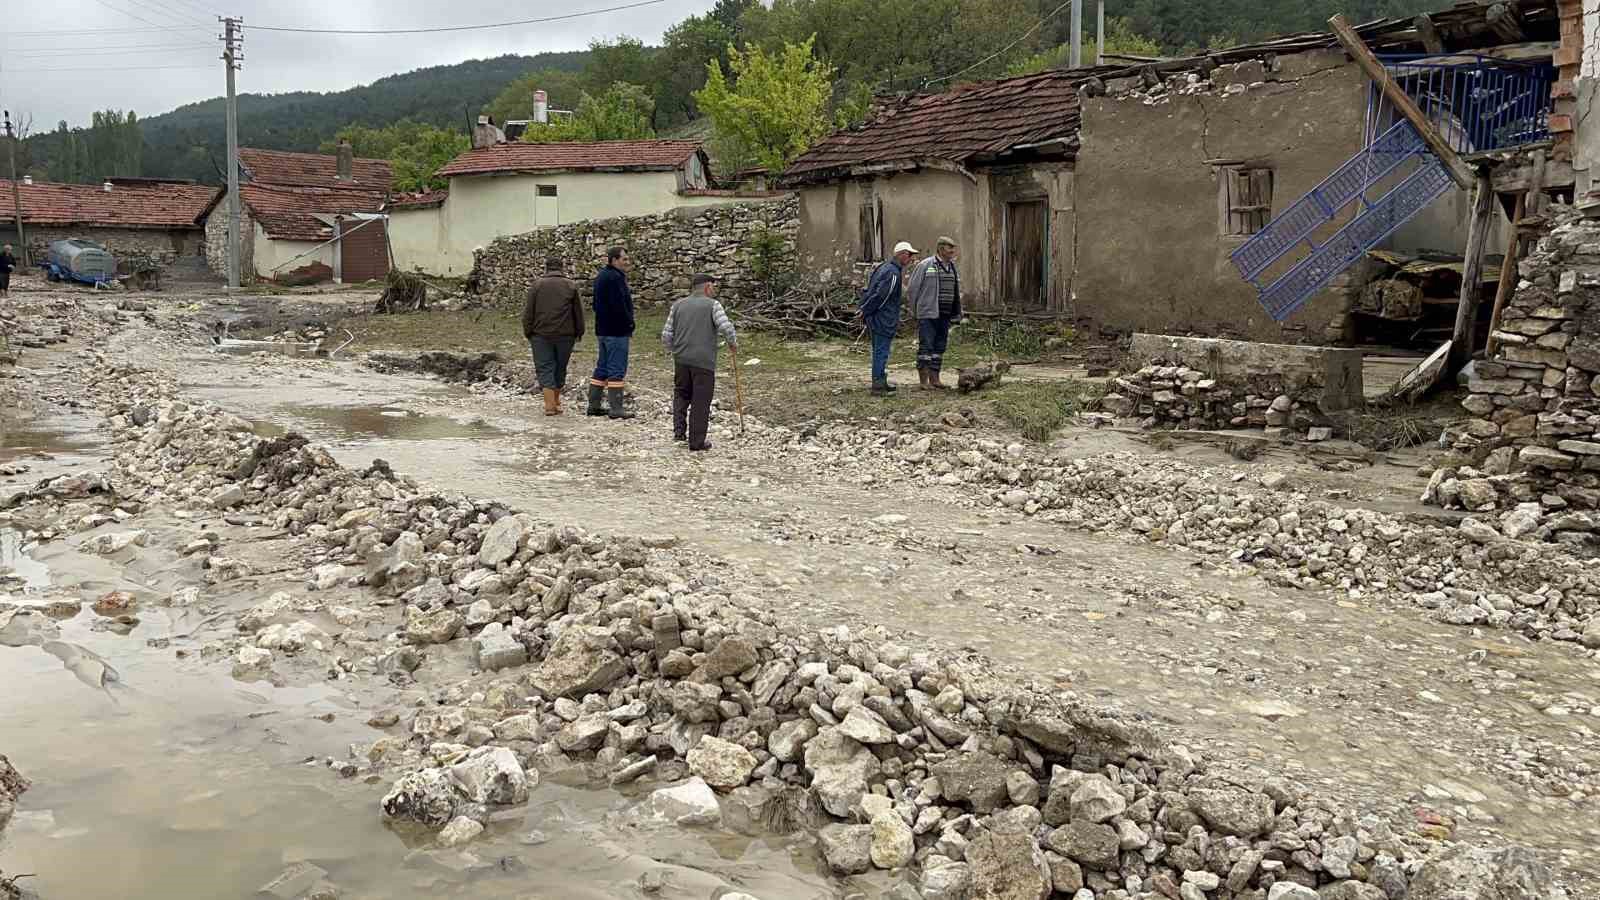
(1027, 237)
(363, 250)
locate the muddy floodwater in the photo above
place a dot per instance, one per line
(157, 776)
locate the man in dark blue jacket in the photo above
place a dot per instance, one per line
(613, 328)
(880, 309)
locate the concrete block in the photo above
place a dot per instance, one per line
(1333, 375)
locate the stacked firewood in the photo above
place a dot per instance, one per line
(807, 311)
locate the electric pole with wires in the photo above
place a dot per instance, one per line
(231, 57)
(16, 193)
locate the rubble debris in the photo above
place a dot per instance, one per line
(12, 786)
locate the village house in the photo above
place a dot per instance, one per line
(508, 188)
(151, 218)
(291, 205)
(1121, 196)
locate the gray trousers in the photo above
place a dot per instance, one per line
(550, 358)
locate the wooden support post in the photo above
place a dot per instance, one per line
(1460, 172)
(1508, 275)
(1429, 33)
(1472, 273)
(1536, 198)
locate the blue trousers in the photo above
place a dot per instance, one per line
(880, 354)
(933, 338)
(611, 368)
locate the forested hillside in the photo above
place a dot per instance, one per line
(870, 45)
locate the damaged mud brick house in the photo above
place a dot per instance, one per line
(292, 205)
(501, 188)
(157, 220)
(1122, 195)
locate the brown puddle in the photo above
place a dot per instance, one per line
(159, 776)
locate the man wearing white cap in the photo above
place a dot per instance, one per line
(880, 309)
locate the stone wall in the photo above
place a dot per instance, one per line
(1533, 441)
(157, 244)
(1209, 383)
(217, 241)
(667, 249)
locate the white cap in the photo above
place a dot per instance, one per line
(904, 247)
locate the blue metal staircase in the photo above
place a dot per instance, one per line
(1324, 233)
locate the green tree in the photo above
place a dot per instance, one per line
(562, 89)
(680, 67)
(625, 59)
(777, 105)
(417, 161)
(622, 113)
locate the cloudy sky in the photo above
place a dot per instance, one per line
(153, 55)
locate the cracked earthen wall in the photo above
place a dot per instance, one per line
(1152, 255)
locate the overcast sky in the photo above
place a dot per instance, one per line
(116, 69)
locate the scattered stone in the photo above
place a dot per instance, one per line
(690, 803)
(461, 830)
(721, 763)
(1007, 867)
(846, 848)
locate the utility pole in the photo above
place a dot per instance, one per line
(231, 57)
(16, 192)
(1077, 33)
(1100, 33)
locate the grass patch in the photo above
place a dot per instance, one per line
(1038, 409)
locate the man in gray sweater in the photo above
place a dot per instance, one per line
(691, 334)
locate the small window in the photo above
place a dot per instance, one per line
(1246, 199)
(547, 190)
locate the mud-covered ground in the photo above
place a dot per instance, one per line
(1477, 733)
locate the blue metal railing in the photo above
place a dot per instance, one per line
(1478, 104)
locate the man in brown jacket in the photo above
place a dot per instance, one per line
(552, 321)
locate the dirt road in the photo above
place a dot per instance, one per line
(1376, 705)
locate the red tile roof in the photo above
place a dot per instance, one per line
(625, 156)
(125, 206)
(418, 200)
(313, 170)
(290, 213)
(970, 123)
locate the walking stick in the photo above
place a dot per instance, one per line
(738, 391)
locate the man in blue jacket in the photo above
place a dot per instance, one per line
(613, 328)
(880, 309)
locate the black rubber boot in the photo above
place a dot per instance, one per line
(596, 400)
(880, 386)
(617, 412)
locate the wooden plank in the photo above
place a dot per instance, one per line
(1459, 171)
(1417, 382)
(1508, 276)
(1472, 273)
(1429, 34)
(1516, 178)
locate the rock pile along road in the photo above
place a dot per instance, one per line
(935, 662)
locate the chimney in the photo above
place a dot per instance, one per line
(347, 161)
(541, 107)
(106, 187)
(27, 180)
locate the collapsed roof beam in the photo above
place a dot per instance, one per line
(1459, 171)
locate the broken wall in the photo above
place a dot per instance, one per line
(666, 248)
(1152, 206)
(1184, 382)
(1535, 433)
(158, 244)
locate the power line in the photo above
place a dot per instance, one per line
(1025, 35)
(130, 15)
(435, 30)
(163, 10)
(118, 31)
(97, 48)
(108, 69)
(106, 51)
